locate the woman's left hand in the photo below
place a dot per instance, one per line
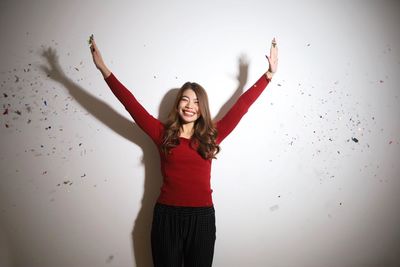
(272, 60)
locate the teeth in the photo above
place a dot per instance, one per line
(189, 113)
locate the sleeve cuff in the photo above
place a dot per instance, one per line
(109, 77)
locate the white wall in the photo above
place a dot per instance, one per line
(291, 187)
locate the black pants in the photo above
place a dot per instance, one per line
(183, 235)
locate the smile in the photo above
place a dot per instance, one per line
(188, 113)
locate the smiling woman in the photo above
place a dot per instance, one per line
(183, 228)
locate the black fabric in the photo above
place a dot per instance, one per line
(183, 236)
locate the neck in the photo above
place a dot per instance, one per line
(187, 130)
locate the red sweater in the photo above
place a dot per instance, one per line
(186, 174)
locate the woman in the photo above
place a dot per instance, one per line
(183, 228)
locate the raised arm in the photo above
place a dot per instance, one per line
(150, 125)
(226, 125)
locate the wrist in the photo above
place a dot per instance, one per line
(269, 74)
(105, 71)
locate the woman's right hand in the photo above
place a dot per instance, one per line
(98, 59)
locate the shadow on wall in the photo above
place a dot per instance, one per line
(6, 259)
(130, 131)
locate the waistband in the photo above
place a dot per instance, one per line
(183, 211)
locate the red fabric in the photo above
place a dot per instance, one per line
(186, 174)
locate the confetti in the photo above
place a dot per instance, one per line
(91, 37)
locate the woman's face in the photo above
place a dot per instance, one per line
(188, 107)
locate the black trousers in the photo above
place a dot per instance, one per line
(183, 236)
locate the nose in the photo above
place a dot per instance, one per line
(189, 104)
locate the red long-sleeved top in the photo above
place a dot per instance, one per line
(186, 174)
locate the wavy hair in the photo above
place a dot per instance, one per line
(205, 132)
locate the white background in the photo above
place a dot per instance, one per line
(291, 185)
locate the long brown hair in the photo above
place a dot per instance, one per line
(205, 133)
